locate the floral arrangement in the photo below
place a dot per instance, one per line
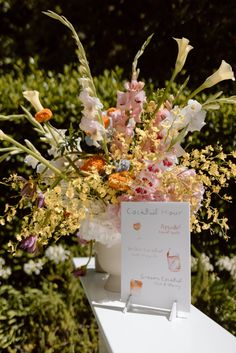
(131, 152)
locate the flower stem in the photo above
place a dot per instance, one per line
(196, 253)
(194, 93)
(104, 142)
(90, 252)
(163, 98)
(33, 154)
(72, 164)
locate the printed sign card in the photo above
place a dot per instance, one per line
(155, 266)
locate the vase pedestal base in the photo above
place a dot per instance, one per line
(109, 258)
(113, 284)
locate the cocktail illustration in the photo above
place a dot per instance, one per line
(173, 260)
(137, 226)
(135, 286)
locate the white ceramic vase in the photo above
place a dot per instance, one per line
(109, 258)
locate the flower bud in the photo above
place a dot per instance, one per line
(42, 114)
(29, 244)
(40, 200)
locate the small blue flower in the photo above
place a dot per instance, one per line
(123, 165)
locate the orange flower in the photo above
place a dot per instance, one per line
(95, 162)
(120, 181)
(111, 110)
(106, 121)
(43, 115)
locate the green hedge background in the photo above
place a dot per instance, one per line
(113, 30)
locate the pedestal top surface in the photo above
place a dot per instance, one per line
(147, 331)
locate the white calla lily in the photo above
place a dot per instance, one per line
(184, 49)
(33, 98)
(224, 72)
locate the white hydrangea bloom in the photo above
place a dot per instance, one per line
(101, 229)
(57, 253)
(5, 272)
(33, 267)
(2, 261)
(206, 262)
(228, 264)
(194, 262)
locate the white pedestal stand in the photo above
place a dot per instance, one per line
(144, 330)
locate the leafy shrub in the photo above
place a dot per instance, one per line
(45, 313)
(112, 32)
(214, 291)
(59, 91)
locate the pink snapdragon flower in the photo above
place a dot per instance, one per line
(121, 123)
(143, 195)
(91, 104)
(161, 115)
(89, 122)
(168, 162)
(145, 186)
(134, 85)
(148, 144)
(93, 129)
(131, 102)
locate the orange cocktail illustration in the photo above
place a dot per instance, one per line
(173, 260)
(137, 226)
(135, 286)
